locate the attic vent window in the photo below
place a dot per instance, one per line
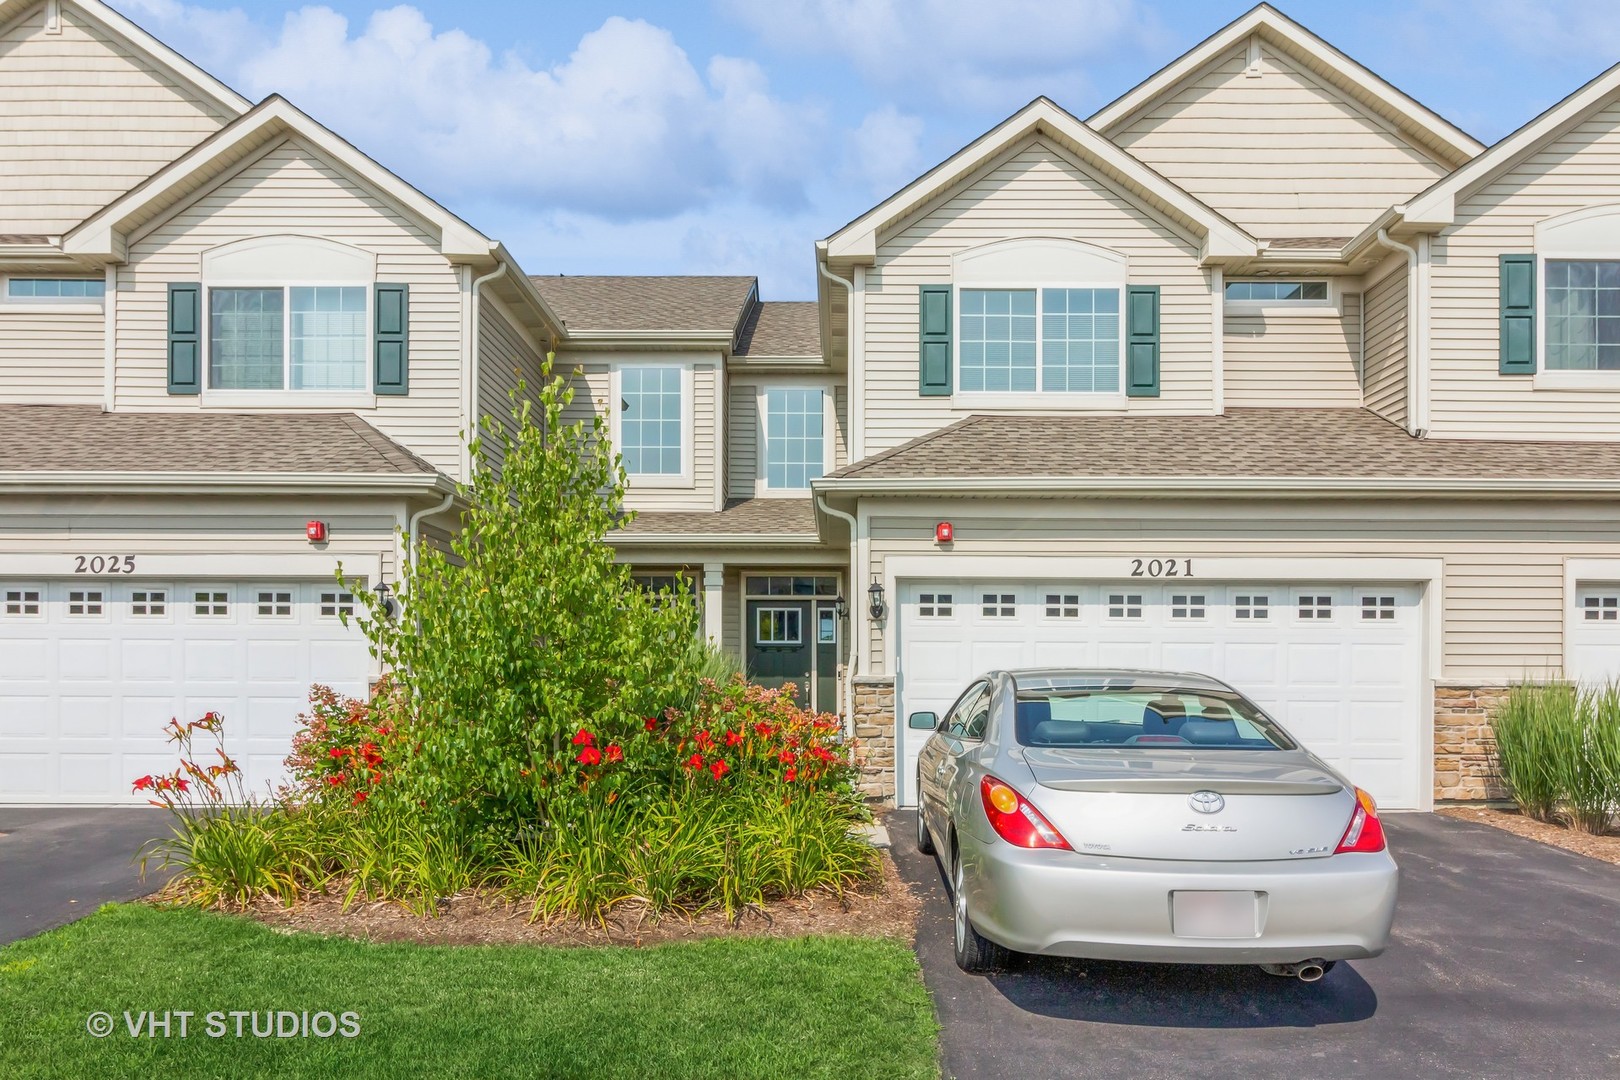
(1277, 292)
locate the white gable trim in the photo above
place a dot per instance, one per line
(1437, 206)
(857, 241)
(1438, 135)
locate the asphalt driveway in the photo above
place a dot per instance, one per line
(60, 864)
(1505, 963)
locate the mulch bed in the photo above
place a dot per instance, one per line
(882, 908)
(1606, 847)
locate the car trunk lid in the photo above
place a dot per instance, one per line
(1137, 803)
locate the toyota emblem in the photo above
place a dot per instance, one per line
(1206, 802)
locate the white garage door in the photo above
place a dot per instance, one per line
(1340, 665)
(91, 671)
(1594, 634)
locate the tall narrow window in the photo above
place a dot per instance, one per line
(650, 420)
(1583, 315)
(795, 439)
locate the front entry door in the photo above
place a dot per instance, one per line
(781, 644)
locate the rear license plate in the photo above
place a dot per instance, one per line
(1215, 914)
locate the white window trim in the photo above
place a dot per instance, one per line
(1332, 306)
(1038, 399)
(762, 487)
(45, 305)
(1545, 378)
(688, 474)
(308, 399)
(784, 610)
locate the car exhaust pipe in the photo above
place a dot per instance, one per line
(1306, 971)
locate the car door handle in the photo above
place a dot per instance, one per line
(943, 765)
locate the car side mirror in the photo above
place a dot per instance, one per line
(922, 721)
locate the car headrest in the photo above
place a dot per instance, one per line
(1210, 732)
(1060, 733)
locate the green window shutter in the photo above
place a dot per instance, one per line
(391, 339)
(185, 337)
(1517, 345)
(1142, 340)
(934, 341)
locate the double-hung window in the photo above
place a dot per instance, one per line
(795, 437)
(652, 427)
(288, 338)
(1047, 340)
(1583, 315)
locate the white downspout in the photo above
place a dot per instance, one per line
(856, 611)
(1417, 341)
(473, 417)
(415, 525)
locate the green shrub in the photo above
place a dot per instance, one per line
(1587, 751)
(1530, 729)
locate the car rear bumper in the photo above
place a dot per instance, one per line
(1064, 903)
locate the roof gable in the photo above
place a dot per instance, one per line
(857, 241)
(1437, 206)
(1422, 125)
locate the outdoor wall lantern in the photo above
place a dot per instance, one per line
(389, 605)
(876, 593)
(840, 606)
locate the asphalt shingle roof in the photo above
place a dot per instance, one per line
(1308, 443)
(82, 438)
(782, 328)
(762, 517)
(701, 304)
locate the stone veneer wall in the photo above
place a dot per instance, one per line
(1462, 737)
(874, 735)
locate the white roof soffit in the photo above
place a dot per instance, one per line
(1437, 205)
(1223, 240)
(1441, 137)
(142, 42)
(103, 234)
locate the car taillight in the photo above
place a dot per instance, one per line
(1364, 833)
(1015, 820)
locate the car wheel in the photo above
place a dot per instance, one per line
(974, 954)
(925, 843)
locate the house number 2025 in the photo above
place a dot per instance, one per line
(1161, 568)
(103, 564)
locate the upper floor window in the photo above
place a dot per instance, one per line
(50, 289)
(1277, 292)
(1039, 340)
(289, 338)
(1583, 315)
(795, 436)
(653, 433)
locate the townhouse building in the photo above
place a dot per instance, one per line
(1265, 370)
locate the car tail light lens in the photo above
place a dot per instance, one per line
(1364, 833)
(1015, 820)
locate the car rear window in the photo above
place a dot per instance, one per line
(1163, 718)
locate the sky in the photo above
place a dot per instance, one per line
(727, 136)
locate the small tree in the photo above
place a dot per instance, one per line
(527, 629)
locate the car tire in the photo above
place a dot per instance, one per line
(925, 843)
(975, 954)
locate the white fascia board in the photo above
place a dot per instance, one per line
(713, 540)
(202, 483)
(1307, 486)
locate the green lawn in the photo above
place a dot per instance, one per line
(843, 1007)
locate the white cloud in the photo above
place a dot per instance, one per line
(967, 52)
(626, 127)
(885, 151)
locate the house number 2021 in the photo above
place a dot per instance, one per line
(103, 564)
(1161, 568)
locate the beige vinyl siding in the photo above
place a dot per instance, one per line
(841, 426)
(1305, 360)
(1034, 190)
(1503, 579)
(742, 440)
(731, 635)
(1578, 169)
(51, 357)
(504, 357)
(1283, 154)
(290, 189)
(84, 118)
(1384, 375)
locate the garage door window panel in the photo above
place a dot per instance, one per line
(1058, 604)
(1188, 606)
(273, 604)
(336, 605)
(211, 603)
(998, 605)
(1315, 607)
(1603, 607)
(148, 603)
(1251, 607)
(934, 605)
(86, 603)
(1125, 606)
(24, 603)
(1377, 608)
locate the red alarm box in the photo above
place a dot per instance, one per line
(943, 533)
(315, 531)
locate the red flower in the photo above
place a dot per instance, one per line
(704, 740)
(615, 752)
(695, 761)
(384, 730)
(336, 779)
(182, 783)
(359, 797)
(785, 757)
(336, 752)
(584, 738)
(763, 729)
(733, 738)
(650, 723)
(143, 783)
(821, 753)
(791, 775)
(589, 756)
(719, 768)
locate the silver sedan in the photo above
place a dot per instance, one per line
(1135, 815)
